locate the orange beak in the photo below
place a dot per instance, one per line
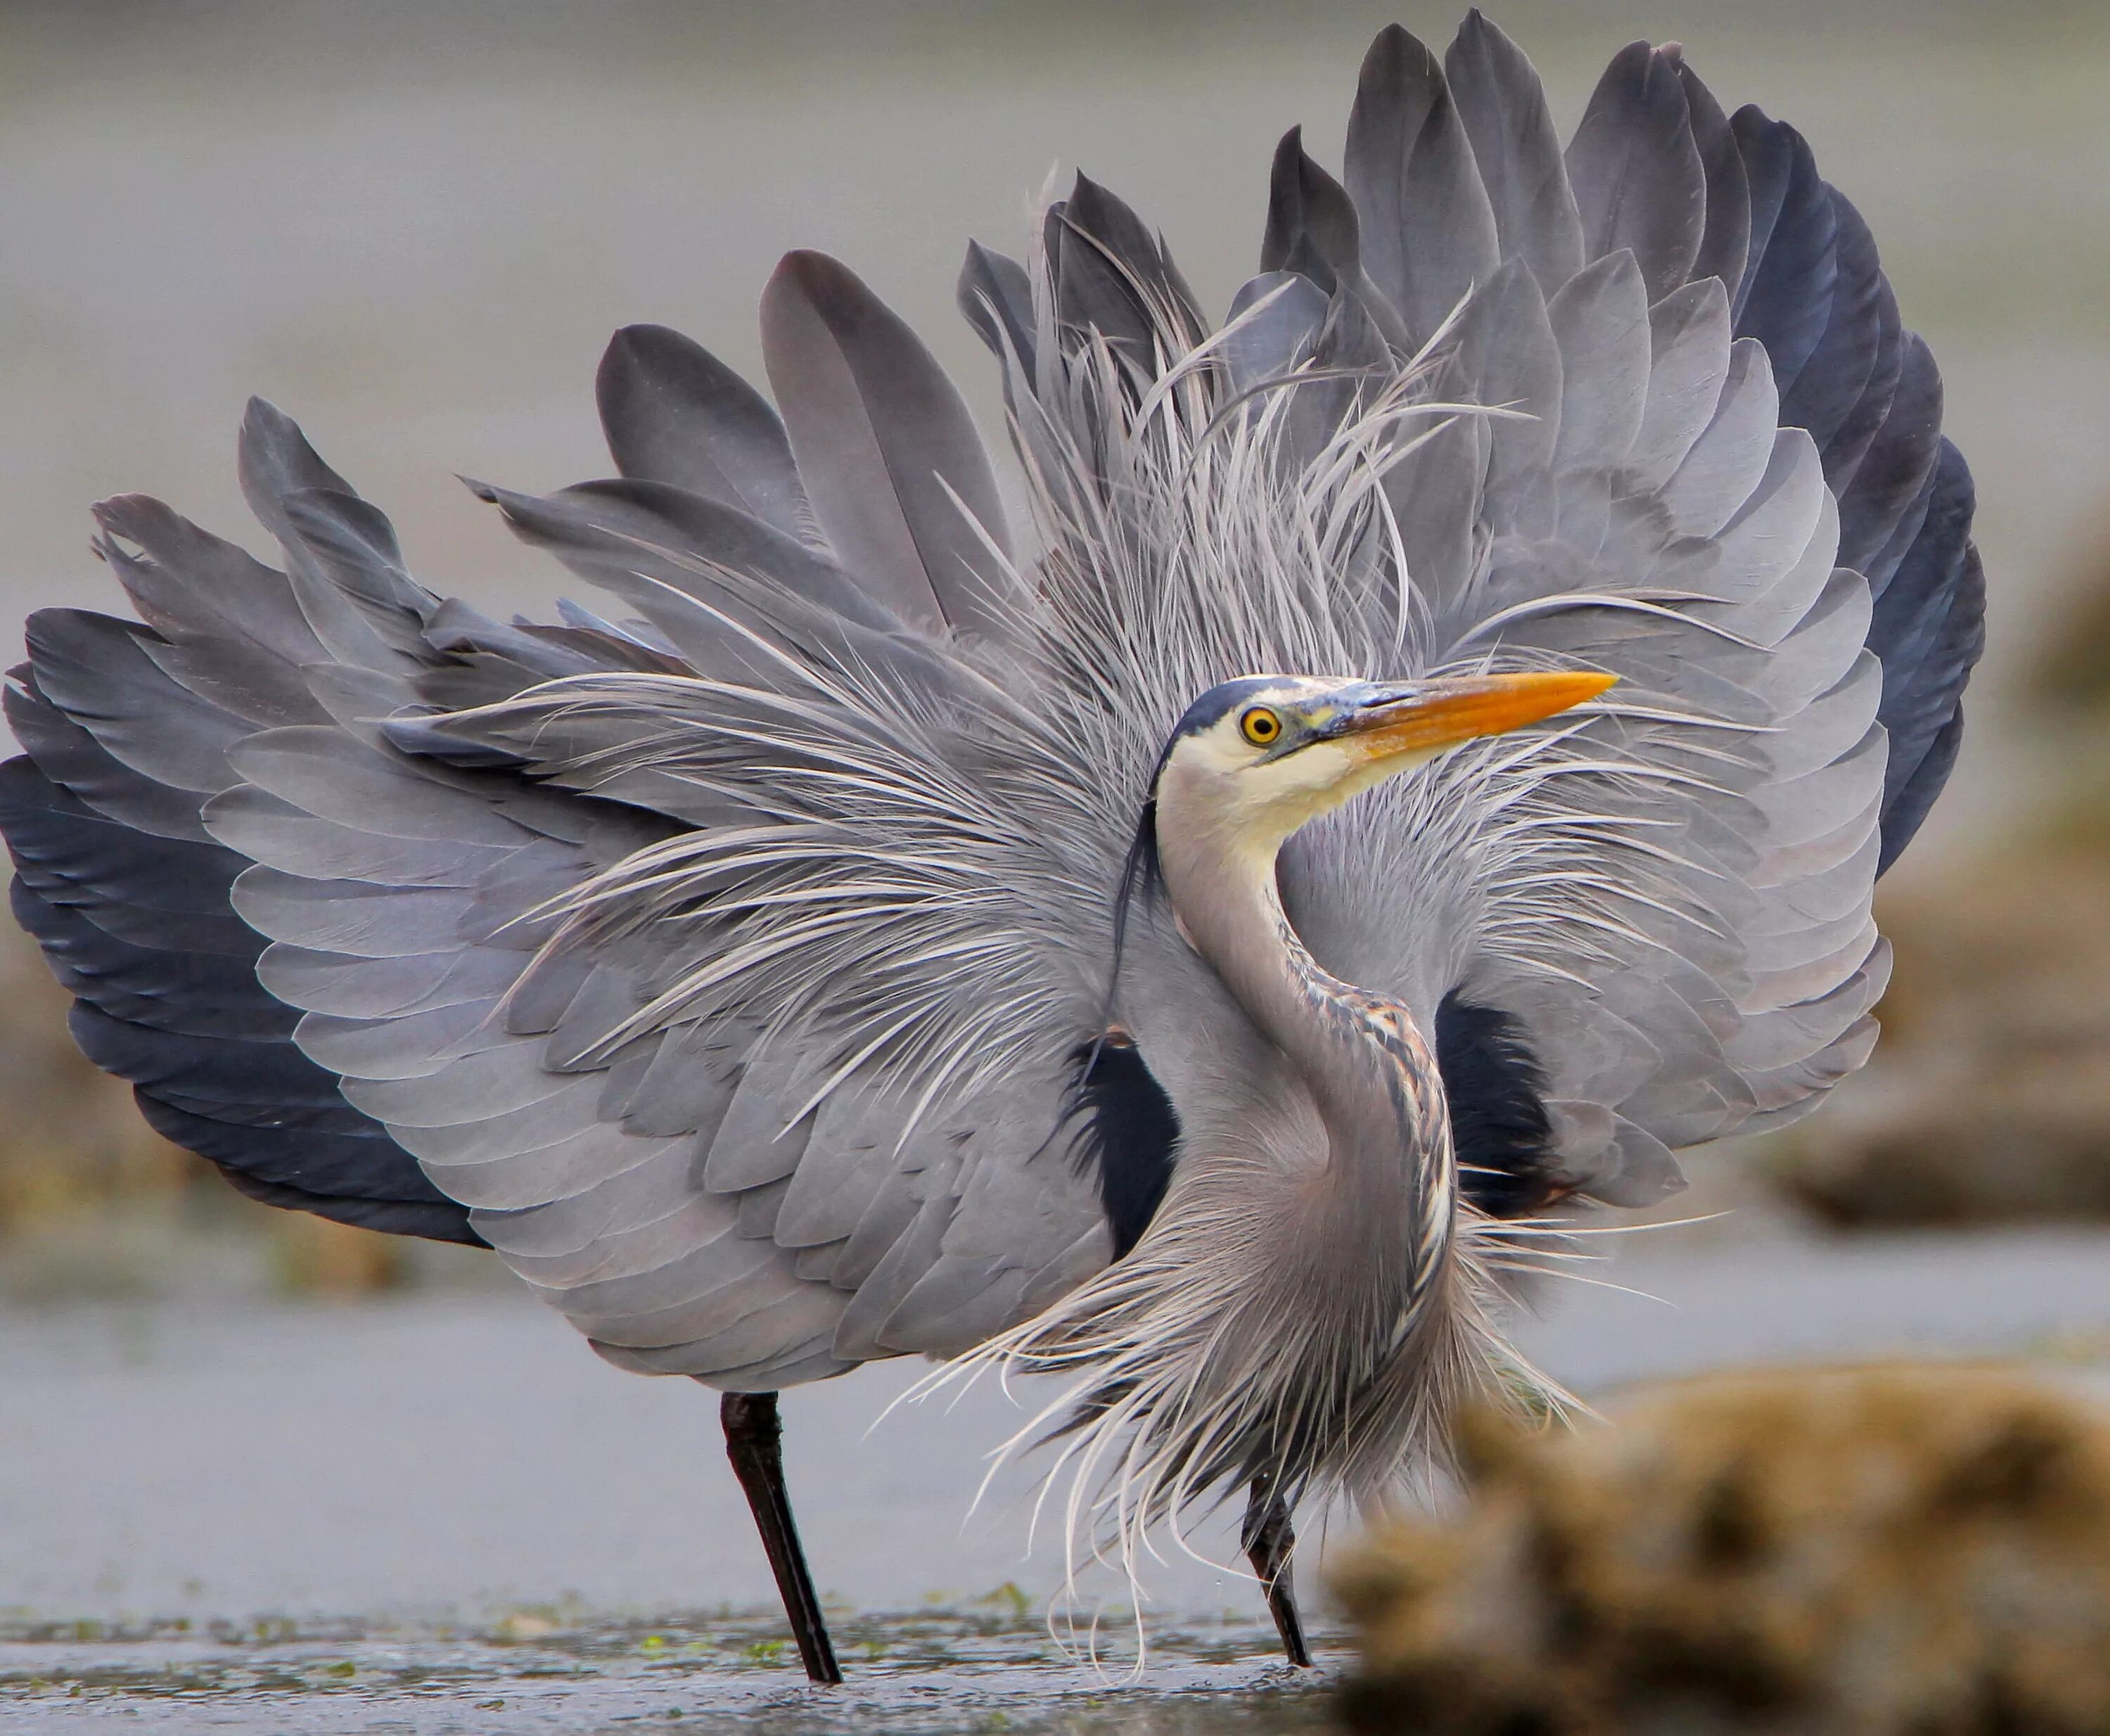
(1425, 716)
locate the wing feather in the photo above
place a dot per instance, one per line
(1639, 183)
(1427, 229)
(674, 414)
(1516, 151)
(901, 484)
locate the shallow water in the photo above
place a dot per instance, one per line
(938, 1671)
(442, 1512)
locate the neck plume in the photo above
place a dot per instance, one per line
(1311, 1313)
(1367, 1227)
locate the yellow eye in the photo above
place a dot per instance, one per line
(1261, 726)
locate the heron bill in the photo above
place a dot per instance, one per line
(1443, 713)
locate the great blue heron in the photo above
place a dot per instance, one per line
(908, 937)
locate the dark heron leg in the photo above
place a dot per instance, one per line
(1268, 1540)
(754, 1438)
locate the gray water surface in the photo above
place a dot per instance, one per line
(398, 1515)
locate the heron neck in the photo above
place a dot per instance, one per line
(1369, 1069)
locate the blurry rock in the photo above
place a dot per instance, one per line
(2073, 665)
(94, 1202)
(70, 1137)
(1922, 1551)
(1989, 1097)
(313, 1256)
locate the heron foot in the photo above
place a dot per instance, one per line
(1269, 1542)
(754, 1439)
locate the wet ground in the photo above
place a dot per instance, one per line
(442, 1512)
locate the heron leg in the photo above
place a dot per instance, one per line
(1269, 1540)
(754, 1442)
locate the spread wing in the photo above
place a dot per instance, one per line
(734, 969)
(1734, 493)
(1690, 442)
(299, 840)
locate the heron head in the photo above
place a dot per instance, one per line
(1262, 755)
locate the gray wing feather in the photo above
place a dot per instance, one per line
(673, 412)
(914, 1250)
(364, 627)
(753, 1147)
(1838, 394)
(191, 585)
(1107, 274)
(839, 1173)
(1312, 230)
(1787, 297)
(1725, 464)
(1725, 242)
(900, 481)
(319, 771)
(77, 763)
(93, 669)
(996, 296)
(602, 528)
(1637, 173)
(1429, 235)
(1688, 329)
(1274, 327)
(1509, 358)
(1600, 319)
(1516, 150)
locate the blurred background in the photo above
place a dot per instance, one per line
(414, 225)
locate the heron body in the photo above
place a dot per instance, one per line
(1425, 761)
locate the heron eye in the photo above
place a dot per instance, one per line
(1261, 726)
